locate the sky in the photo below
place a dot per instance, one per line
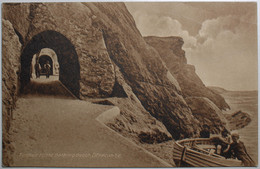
(220, 38)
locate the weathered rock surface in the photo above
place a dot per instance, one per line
(170, 50)
(143, 70)
(102, 54)
(238, 120)
(162, 150)
(207, 113)
(9, 12)
(104, 37)
(134, 121)
(11, 49)
(239, 116)
(100, 31)
(74, 21)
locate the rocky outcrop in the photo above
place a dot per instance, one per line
(241, 103)
(144, 71)
(170, 50)
(73, 21)
(93, 41)
(238, 120)
(207, 113)
(135, 122)
(103, 34)
(11, 49)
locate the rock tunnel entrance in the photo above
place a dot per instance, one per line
(67, 59)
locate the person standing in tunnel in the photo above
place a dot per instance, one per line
(47, 68)
(37, 68)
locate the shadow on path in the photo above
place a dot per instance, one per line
(43, 86)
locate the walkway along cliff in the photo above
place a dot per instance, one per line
(102, 56)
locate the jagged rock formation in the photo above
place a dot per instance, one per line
(144, 71)
(11, 49)
(238, 120)
(55, 26)
(207, 113)
(134, 121)
(90, 39)
(170, 50)
(102, 54)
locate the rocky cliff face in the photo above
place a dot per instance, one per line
(241, 103)
(170, 50)
(11, 49)
(134, 122)
(206, 105)
(90, 40)
(207, 113)
(144, 71)
(73, 30)
(104, 58)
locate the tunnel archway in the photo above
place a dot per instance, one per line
(51, 53)
(69, 69)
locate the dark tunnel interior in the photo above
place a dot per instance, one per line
(69, 70)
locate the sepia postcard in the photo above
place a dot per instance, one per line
(129, 84)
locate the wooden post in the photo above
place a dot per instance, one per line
(182, 156)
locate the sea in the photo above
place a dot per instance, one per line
(246, 101)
